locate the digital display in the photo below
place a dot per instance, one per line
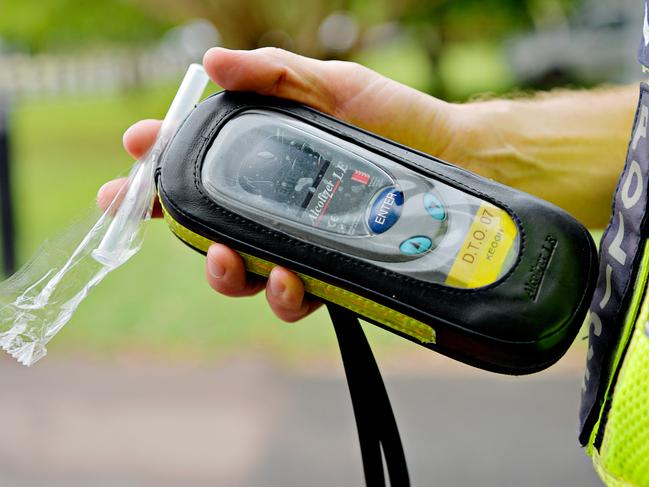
(321, 187)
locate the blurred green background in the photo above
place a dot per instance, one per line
(77, 73)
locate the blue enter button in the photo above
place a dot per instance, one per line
(416, 246)
(385, 210)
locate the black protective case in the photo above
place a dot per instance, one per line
(520, 324)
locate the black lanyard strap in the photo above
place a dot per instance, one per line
(378, 433)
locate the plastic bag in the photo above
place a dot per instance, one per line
(40, 299)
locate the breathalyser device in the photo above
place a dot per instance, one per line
(458, 263)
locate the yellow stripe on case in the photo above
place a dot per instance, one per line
(485, 249)
(363, 306)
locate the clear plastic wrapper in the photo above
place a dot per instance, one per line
(41, 298)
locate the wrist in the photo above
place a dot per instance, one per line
(484, 139)
(564, 147)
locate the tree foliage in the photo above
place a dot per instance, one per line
(37, 25)
(245, 24)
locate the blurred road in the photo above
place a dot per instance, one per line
(250, 422)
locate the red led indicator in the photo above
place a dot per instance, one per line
(361, 177)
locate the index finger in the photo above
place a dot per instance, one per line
(137, 139)
(108, 192)
(140, 136)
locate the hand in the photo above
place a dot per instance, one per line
(345, 90)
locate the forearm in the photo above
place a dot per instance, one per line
(566, 147)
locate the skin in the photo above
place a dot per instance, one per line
(565, 147)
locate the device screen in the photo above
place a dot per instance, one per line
(287, 174)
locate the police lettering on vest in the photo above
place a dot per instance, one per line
(620, 252)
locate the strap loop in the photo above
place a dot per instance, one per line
(378, 433)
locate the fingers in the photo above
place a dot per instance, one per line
(140, 136)
(285, 295)
(137, 139)
(272, 71)
(109, 191)
(226, 274)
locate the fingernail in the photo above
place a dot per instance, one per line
(214, 49)
(127, 132)
(216, 270)
(277, 287)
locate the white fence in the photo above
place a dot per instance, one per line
(25, 76)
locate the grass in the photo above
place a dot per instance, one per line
(159, 302)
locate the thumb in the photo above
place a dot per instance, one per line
(272, 71)
(345, 90)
